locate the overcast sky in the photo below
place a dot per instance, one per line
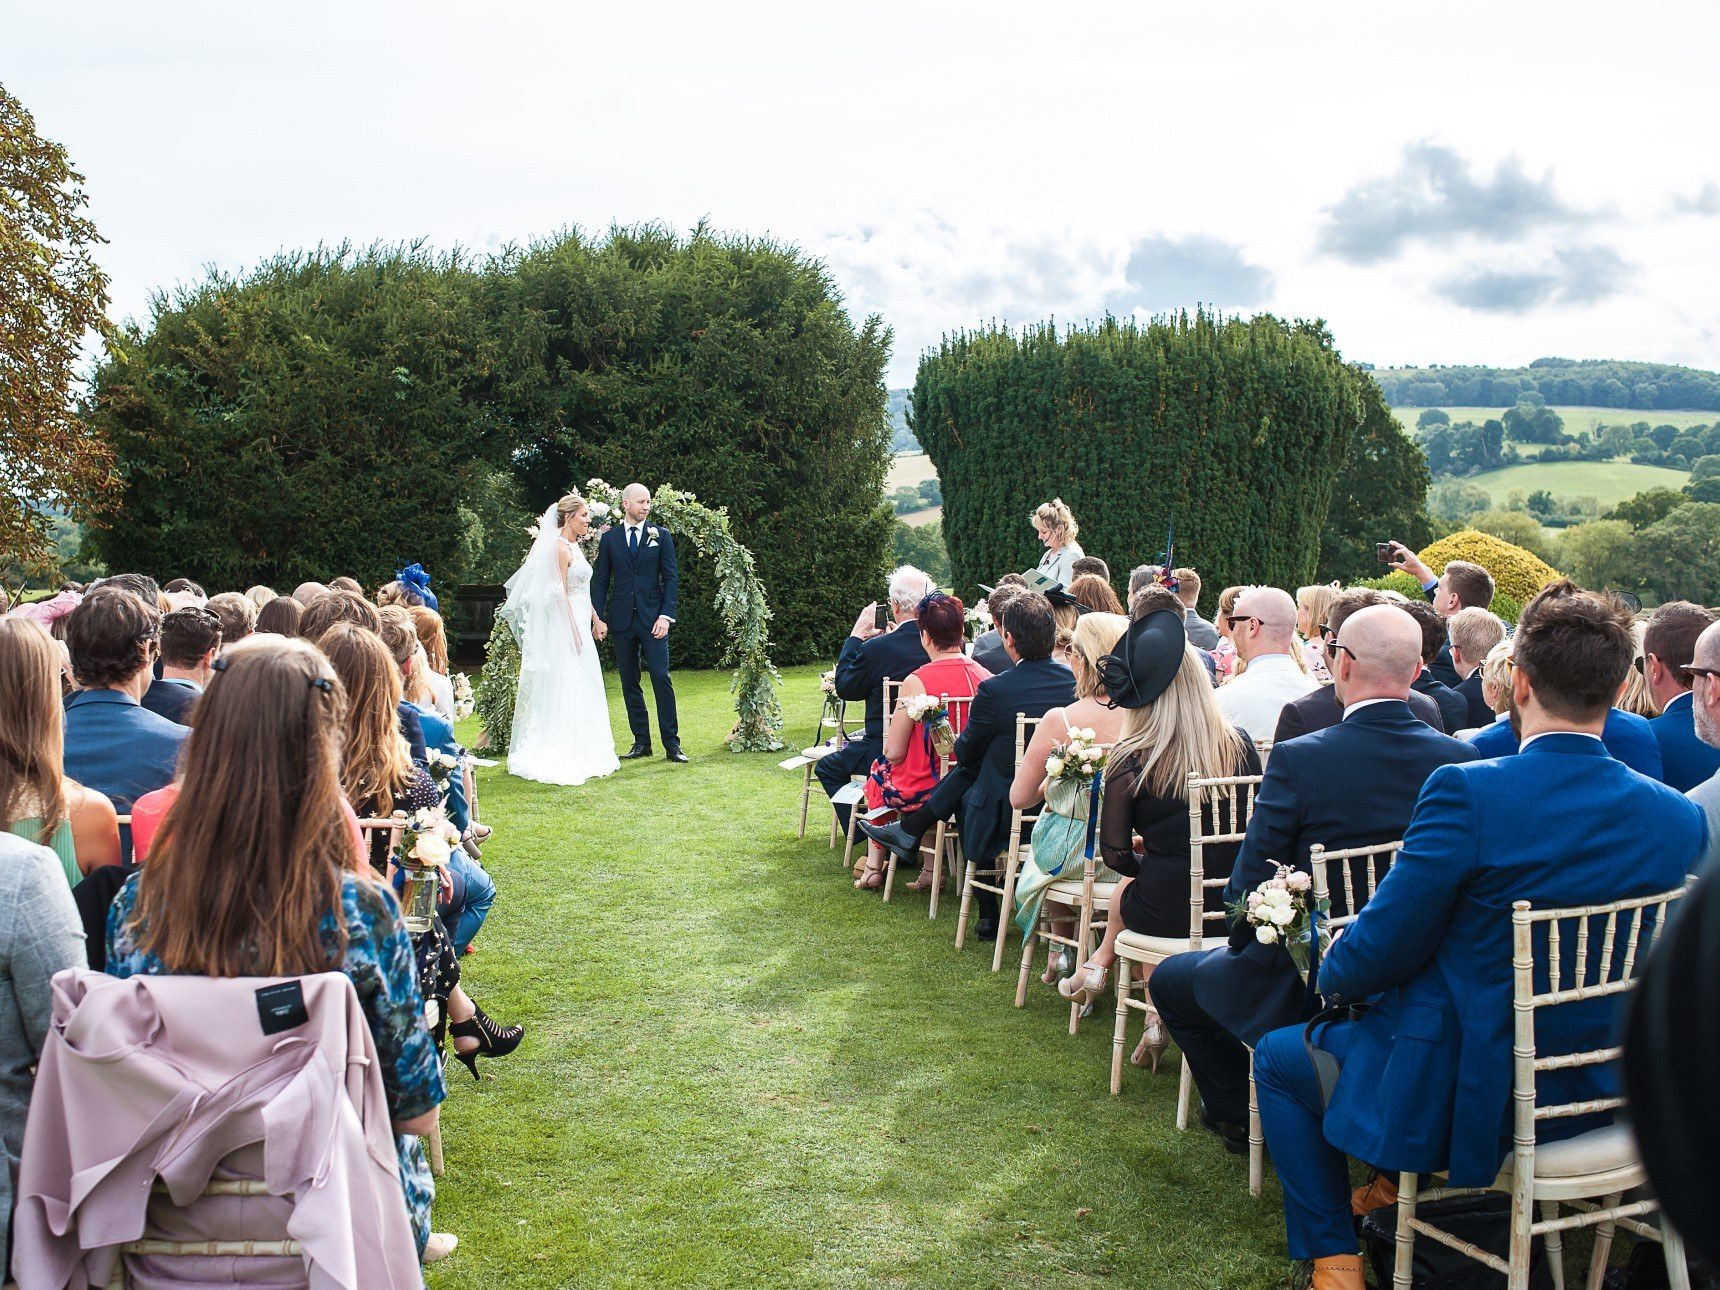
(1460, 183)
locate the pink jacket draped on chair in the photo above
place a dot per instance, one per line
(171, 1080)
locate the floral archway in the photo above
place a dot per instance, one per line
(741, 604)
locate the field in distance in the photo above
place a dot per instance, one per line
(1611, 482)
(909, 470)
(1576, 419)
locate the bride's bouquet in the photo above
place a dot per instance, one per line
(933, 715)
(1280, 911)
(1070, 771)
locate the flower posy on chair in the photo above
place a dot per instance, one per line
(1070, 770)
(1282, 909)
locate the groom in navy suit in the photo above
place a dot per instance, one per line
(634, 588)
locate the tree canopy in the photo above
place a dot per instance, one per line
(1604, 383)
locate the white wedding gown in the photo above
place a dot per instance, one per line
(561, 714)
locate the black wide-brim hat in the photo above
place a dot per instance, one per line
(1146, 660)
(1060, 598)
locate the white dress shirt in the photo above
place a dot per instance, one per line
(1254, 699)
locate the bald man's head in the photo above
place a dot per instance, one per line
(1271, 625)
(306, 592)
(1380, 655)
(1704, 692)
(636, 503)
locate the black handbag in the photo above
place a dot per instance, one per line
(1483, 1221)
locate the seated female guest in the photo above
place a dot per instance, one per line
(1059, 840)
(39, 936)
(1055, 525)
(280, 617)
(1224, 657)
(1095, 594)
(433, 636)
(380, 778)
(1313, 603)
(37, 801)
(909, 769)
(254, 873)
(1174, 727)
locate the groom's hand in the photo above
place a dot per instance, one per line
(660, 628)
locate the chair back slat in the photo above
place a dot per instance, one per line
(958, 715)
(1235, 792)
(1024, 728)
(1264, 748)
(1374, 859)
(1599, 968)
(892, 694)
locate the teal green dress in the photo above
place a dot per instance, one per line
(59, 842)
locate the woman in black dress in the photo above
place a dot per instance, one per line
(1174, 728)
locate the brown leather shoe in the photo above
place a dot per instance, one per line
(1338, 1272)
(1378, 1194)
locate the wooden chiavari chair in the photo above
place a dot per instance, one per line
(891, 690)
(943, 840)
(974, 870)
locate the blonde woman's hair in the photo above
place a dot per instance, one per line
(1095, 636)
(1056, 515)
(1317, 600)
(1183, 731)
(259, 595)
(1496, 677)
(568, 505)
(1635, 697)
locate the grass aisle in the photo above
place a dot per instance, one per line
(740, 1071)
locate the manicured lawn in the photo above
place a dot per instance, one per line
(1609, 481)
(740, 1071)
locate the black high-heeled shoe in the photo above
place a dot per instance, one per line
(493, 1040)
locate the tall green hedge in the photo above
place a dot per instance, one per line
(1235, 430)
(323, 415)
(727, 367)
(1380, 494)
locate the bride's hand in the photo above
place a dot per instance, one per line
(599, 629)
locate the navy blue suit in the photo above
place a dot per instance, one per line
(1349, 785)
(861, 669)
(1685, 760)
(1319, 708)
(634, 584)
(172, 698)
(1425, 1082)
(1453, 707)
(1441, 666)
(1627, 736)
(1479, 713)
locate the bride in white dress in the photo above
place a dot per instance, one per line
(561, 714)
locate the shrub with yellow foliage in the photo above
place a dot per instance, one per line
(1517, 573)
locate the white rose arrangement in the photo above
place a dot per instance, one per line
(1070, 771)
(978, 620)
(464, 703)
(422, 853)
(1281, 910)
(442, 767)
(932, 712)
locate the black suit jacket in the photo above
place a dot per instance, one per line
(633, 590)
(985, 749)
(1470, 690)
(1319, 708)
(1349, 785)
(171, 699)
(1453, 707)
(863, 664)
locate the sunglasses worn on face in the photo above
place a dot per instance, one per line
(1230, 620)
(1692, 671)
(1345, 649)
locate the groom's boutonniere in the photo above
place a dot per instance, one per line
(650, 535)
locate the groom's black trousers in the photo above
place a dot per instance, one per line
(632, 646)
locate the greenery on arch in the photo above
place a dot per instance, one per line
(741, 605)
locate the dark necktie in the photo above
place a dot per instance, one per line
(632, 540)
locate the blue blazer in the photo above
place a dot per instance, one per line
(1453, 707)
(633, 590)
(985, 749)
(439, 734)
(1348, 785)
(1563, 823)
(172, 698)
(1627, 736)
(1684, 758)
(118, 747)
(863, 664)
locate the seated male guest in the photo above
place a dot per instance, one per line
(1705, 710)
(113, 743)
(988, 650)
(238, 615)
(1088, 564)
(1627, 737)
(1424, 1080)
(1668, 647)
(1201, 634)
(868, 656)
(1263, 631)
(1453, 707)
(1320, 708)
(1471, 634)
(190, 640)
(1461, 586)
(978, 786)
(1349, 785)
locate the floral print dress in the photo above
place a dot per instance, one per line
(381, 965)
